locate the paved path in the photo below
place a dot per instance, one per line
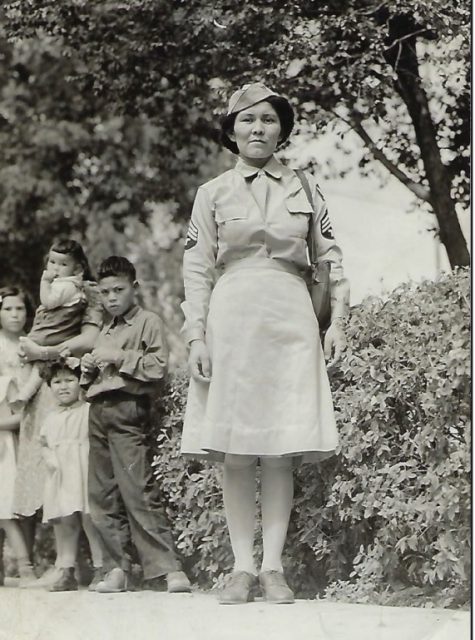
(38, 615)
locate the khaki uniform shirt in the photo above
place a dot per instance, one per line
(229, 223)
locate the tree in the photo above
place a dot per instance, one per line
(364, 62)
(127, 92)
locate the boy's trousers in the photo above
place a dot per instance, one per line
(120, 475)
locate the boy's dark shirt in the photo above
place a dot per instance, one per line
(139, 334)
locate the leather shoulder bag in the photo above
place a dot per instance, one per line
(319, 287)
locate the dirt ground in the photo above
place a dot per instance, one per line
(39, 615)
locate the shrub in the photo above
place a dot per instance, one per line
(392, 509)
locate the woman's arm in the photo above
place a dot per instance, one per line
(199, 277)
(199, 262)
(327, 250)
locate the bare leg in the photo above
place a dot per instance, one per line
(277, 491)
(67, 537)
(28, 529)
(17, 544)
(93, 539)
(239, 494)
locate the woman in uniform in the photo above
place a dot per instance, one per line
(259, 390)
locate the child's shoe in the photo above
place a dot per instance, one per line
(114, 582)
(49, 577)
(66, 582)
(98, 576)
(27, 575)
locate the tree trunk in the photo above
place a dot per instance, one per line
(401, 55)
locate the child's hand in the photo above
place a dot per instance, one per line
(108, 355)
(49, 276)
(51, 466)
(88, 363)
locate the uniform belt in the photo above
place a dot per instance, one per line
(262, 263)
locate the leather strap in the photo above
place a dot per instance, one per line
(310, 236)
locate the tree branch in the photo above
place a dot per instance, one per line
(417, 189)
(405, 37)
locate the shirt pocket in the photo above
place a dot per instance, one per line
(300, 213)
(230, 212)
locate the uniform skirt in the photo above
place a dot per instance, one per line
(269, 393)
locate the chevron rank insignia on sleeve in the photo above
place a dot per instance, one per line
(326, 227)
(192, 236)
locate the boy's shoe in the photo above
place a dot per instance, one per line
(97, 576)
(66, 582)
(114, 582)
(239, 589)
(275, 588)
(177, 582)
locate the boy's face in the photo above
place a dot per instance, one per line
(118, 294)
(65, 387)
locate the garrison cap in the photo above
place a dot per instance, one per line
(247, 96)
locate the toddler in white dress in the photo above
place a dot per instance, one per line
(64, 437)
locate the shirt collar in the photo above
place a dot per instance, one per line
(128, 317)
(273, 167)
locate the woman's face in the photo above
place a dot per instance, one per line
(13, 315)
(257, 133)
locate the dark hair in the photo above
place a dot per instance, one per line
(72, 248)
(49, 370)
(283, 109)
(14, 291)
(116, 266)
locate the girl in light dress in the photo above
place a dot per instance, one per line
(65, 447)
(14, 308)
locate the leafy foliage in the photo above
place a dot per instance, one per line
(103, 111)
(392, 510)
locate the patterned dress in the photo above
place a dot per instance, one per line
(12, 373)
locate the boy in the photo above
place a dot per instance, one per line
(121, 374)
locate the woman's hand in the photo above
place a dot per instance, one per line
(199, 361)
(334, 343)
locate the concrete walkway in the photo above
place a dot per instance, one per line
(38, 615)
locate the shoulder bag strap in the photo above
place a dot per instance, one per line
(310, 236)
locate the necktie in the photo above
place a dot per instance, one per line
(259, 188)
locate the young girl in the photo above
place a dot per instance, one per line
(64, 437)
(14, 308)
(63, 300)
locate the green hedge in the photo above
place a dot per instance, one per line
(392, 510)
